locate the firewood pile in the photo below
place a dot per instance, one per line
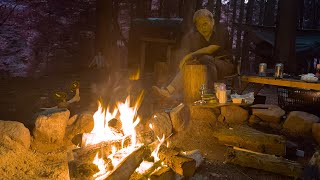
(135, 158)
(169, 165)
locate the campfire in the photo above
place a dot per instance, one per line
(111, 149)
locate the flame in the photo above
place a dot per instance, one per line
(154, 154)
(101, 132)
(101, 165)
(135, 75)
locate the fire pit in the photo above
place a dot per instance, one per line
(111, 150)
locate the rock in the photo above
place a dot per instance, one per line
(202, 113)
(161, 124)
(180, 117)
(221, 119)
(316, 132)
(275, 126)
(234, 114)
(50, 126)
(83, 124)
(272, 114)
(16, 131)
(253, 120)
(300, 123)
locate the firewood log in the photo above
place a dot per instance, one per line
(193, 77)
(249, 138)
(179, 164)
(196, 155)
(180, 117)
(87, 153)
(129, 164)
(262, 161)
(164, 173)
(147, 173)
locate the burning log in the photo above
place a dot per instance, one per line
(179, 164)
(147, 173)
(249, 138)
(262, 161)
(129, 164)
(87, 153)
(163, 173)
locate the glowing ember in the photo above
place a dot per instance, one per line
(103, 133)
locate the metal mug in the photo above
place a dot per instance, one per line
(262, 69)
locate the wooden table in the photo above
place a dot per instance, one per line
(293, 83)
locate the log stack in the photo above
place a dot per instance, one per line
(171, 164)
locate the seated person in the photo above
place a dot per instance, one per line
(207, 45)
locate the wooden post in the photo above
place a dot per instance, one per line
(234, 15)
(217, 14)
(161, 72)
(193, 77)
(286, 34)
(239, 32)
(142, 56)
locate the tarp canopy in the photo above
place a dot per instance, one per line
(306, 42)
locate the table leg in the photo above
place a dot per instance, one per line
(258, 89)
(243, 87)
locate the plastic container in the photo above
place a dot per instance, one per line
(222, 94)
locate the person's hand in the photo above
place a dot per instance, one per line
(187, 58)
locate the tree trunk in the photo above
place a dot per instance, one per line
(246, 40)
(104, 26)
(141, 8)
(189, 8)
(218, 11)
(269, 13)
(239, 32)
(301, 13)
(199, 4)
(181, 4)
(285, 45)
(234, 15)
(315, 18)
(210, 5)
(261, 12)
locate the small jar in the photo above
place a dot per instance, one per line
(262, 69)
(278, 70)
